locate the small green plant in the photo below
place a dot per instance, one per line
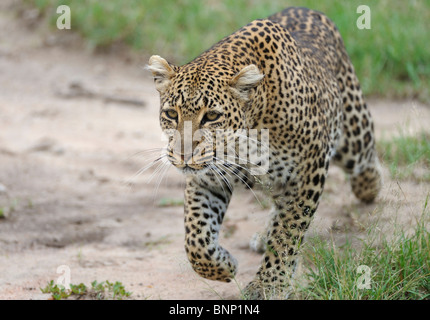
(79, 289)
(58, 292)
(109, 289)
(99, 291)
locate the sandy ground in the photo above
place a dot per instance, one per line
(68, 189)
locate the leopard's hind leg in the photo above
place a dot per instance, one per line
(356, 152)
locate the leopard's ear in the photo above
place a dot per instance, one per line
(162, 72)
(245, 81)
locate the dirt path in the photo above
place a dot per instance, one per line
(66, 163)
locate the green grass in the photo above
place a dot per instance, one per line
(404, 154)
(391, 58)
(98, 291)
(399, 266)
(170, 202)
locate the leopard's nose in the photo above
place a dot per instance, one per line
(186, 157)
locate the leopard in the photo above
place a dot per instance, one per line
(289, 76)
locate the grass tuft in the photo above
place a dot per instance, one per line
(395, 267)
(405, 154)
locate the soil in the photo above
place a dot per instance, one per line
(73, 123)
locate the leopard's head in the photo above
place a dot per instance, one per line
(202, 104)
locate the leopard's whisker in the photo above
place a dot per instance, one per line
(232, 160)
(167, 165)
(145, 168)
(223, 162)
(213, 168)
(146, 152)
(227, 182)
(249, 187)
(156, 171)
(237, 175)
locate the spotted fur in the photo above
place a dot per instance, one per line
(290, 74)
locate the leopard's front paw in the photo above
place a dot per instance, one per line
(256, 290)
(215, 263)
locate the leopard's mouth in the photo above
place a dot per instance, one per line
(190, 166)
(190, 170)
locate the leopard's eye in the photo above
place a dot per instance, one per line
(211, 116)
(172, 114)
